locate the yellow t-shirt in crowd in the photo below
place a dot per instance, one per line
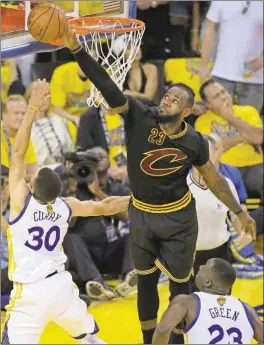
(5, 81)
(114, 127)
(68, 91)
(85, 7)
(30, 156)
(184, 70)
(242, 154)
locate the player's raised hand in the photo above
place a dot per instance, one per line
(248, 224)
(40, 94)
(68, 38)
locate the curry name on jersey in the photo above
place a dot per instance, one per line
(219, 320)
(35, 240)
(158, 164)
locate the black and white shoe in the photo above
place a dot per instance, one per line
(128, 284)
(99, 290)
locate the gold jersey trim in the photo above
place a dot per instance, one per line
(170, 276)
(17, 293)
(164, 208)
(146, 272)
(175, 136)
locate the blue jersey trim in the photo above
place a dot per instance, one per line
(22, 212)
(248, 316)
(187, 329)
(70, 211)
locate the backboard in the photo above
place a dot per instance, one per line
(15, 39)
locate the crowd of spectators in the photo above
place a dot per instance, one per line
(228, 40)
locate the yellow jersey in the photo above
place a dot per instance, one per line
(116, 134)
(240, 155)
(68, 91)
(5, 81)
(30, 156)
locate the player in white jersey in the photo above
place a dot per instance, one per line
(39, 219)
(211, 316)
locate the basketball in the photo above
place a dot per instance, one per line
(46, 22)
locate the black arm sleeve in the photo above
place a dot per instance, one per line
(100, 78)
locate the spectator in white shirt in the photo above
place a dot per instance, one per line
(212, 214)
(50, 137)
(238, 27)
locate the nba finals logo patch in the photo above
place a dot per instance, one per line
(49, 208)
(221, 301)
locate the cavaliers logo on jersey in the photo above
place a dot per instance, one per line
(221, 300)
(149, 164)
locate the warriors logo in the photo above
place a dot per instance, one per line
(148, 163)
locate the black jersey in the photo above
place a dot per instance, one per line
(158, 164)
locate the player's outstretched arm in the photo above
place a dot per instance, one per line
(257, 324)
(107, 207)
(17, 171)
(220, 188)
(96, 73)
(176, 312)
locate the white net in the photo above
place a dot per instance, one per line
(114, 50)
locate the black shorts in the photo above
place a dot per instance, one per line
(202, 256)
(165, 241)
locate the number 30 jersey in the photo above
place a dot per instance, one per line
(219, 320)
(35, 240)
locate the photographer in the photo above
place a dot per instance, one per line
(105, 128)
(97, 245)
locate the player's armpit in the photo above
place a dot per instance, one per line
(107, 207)
(257, 324)
(175, 313)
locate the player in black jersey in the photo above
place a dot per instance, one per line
(161, 148)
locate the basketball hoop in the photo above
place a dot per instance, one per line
(122, 37)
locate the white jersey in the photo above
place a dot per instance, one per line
(219, 320)
(211, 215)
(35, 240)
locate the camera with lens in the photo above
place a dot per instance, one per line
(84, 165)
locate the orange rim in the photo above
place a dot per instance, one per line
(90, 24)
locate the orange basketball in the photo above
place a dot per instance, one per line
(46, 22)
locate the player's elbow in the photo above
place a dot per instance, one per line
(114, 205)
(108, 208)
